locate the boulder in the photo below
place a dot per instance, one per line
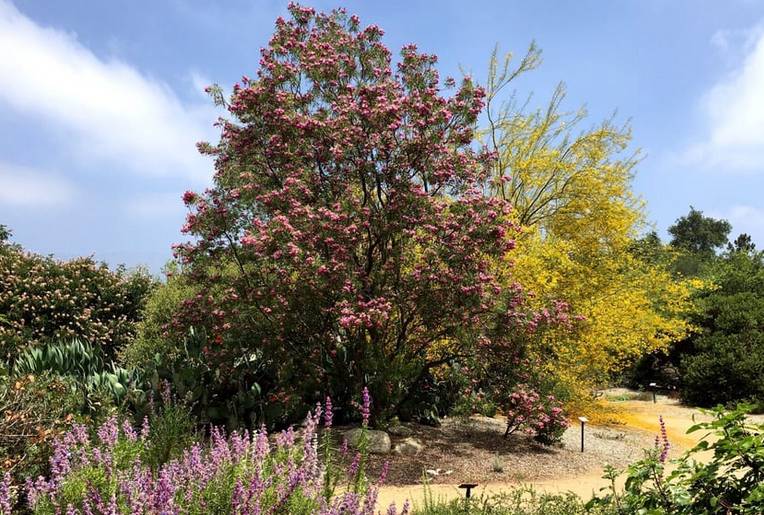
(379, 441)
(408, 447)
(400, 430)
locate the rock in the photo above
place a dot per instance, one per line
(379, 441)
(400, 430)
(408, 447)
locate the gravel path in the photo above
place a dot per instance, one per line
(474, 451)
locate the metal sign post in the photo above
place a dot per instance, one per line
(583, 420)
(468, 487)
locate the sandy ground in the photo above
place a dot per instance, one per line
(556, 470)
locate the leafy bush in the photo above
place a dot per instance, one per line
(154, 344)
(34, 410)
(731, 481)
(45, 300)
(726, 368)
(171, 428)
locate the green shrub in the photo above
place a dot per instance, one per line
(154, 344)
(731, 481)
(173, 428)
(723, 361)
(33, 411)
(726, 368)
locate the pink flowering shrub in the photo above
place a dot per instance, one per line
(541, 416)
(44, 300)
(346, 237)
(240, 473)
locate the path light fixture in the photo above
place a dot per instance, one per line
(468, 487)
(654, 387)
(583, 421)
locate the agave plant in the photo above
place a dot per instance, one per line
(72, 358)
(82, 362)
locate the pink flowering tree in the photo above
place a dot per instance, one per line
(346, 239)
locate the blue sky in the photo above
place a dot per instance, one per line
(101, 102)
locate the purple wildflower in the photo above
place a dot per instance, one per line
(344, 447)
(6, 502)
(264, 479)
(365, 406)
(328, 413)
(353, 468)
(128, 431)
(166, 392)
(145, 428)
(109, 431)
(383, 474)
(665, 445)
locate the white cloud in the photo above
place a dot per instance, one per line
(736, 43)
(199, 82)
(734, 114)
(113, 112)
(26, 187)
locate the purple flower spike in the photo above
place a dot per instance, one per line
(5, 494)
(665, 445)
(328, 413)
(365, 406)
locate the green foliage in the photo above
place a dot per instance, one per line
(173, 429)
(153, 344)
(743, 243)
(699, 234)
(724, 361)
(726, 368)
(64, 358)
(731, 481)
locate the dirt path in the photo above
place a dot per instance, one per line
(571, 471)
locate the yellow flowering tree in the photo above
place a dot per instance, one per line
(571, 191)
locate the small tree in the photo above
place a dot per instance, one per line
(346, 239)
(699, 234)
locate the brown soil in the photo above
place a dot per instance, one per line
(474, 451)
